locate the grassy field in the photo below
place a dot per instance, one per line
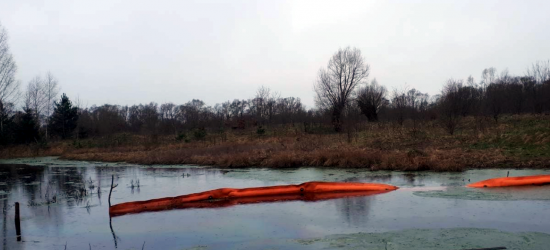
(516, 141)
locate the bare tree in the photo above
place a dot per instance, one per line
(515, 95)
(259, 103)
(336, 84)
(538, 74)
(370, 99)
(496, 95)
(9, 87)
(416, 104)
(34, 97)
(451, 105)
(51, 89)
(271, 105)
(289, 109)
(408, 104)
(263, 104)
(540, 71)
(488, 76)
(226, 110)
(150, 118)
(472, 96)
(238, 108)
(168, 116)
(470, 81)
(399, 104)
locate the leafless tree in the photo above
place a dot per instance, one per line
(226, 110)
(399, 104)
(150, 117)
(515, 95)
(260, 102)
(238, 108)
(51, 89)
(263, 104)
(451, 105)
(488, 76)
(470, 81)
(408, 104)
(496, 95)
(289, 109)
(271, 105)
(416, 104)
(538, 74)
(370, 99)
(472, 96)
(539, 71)
(9, 87)
(35, 98)
(336, 84)
(168, 116)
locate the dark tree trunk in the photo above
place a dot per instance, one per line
(372, 116)
(336, 122)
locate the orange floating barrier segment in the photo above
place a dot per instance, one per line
(310, 191)
(513, 181)
(249, 200)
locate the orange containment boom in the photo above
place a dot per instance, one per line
(309, 191)
(513, 181)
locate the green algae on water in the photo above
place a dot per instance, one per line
(494, 194)
(428, 239)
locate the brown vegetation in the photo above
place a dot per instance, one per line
(381, 146)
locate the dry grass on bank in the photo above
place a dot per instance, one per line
(24, 151)
(305, 152)
(515, 142)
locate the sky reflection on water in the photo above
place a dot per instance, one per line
(81, 220)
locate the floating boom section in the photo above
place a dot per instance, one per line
(513, 181)
(223, 197)
(251, 200)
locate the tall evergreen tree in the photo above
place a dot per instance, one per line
(64, 118)
(26, 127)
(6, 122)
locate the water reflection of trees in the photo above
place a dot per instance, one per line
(16, 178)
(39, 190)
(371, 178)
(5, 224)
(179, 171)
(355, 210)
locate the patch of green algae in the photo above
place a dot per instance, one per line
(427, 239)
(494, 194)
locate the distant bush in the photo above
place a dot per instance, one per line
(260, 131)
(77, 144)
(320, 130)
(199, 134)
(181, 137)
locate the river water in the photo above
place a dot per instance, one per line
(429, 211)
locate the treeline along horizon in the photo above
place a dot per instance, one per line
(495, 95)
(344, 97)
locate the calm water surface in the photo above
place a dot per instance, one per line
(80, 221)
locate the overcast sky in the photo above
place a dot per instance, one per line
(130, 52)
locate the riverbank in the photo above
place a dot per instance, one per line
(515, 142)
